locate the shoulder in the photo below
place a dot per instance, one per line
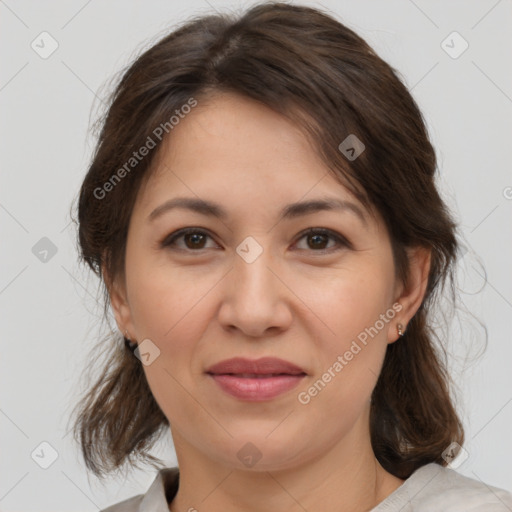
(441, 488)
(129, 505)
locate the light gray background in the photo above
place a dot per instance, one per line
(49, 314)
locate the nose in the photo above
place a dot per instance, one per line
(254, 299)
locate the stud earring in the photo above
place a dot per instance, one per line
(400, 329)
(128, 343)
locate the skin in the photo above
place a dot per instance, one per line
(199, 302)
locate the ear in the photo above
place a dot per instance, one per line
(410, 296)
(119, 303)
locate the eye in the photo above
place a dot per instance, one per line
(318, 238)
(195, 239)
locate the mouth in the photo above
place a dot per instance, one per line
(255, 375)
(256, 380)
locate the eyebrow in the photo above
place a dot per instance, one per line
(290, 211)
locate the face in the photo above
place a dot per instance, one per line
(314, 287)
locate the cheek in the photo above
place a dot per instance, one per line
(350, 302)
(167, 306)
(357, 314)
(164, 297)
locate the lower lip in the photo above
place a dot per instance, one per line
(256, 389)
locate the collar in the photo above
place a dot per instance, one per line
(162, 491)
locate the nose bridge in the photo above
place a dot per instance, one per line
(253, 301)
(252, 278)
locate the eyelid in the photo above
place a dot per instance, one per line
(342, 241)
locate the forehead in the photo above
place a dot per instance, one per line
(233, 148)
(238, 136)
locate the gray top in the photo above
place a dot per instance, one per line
(430, 488)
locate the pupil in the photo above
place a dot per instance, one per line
(318, 238)
(194, 237)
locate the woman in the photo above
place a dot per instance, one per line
(261, 208)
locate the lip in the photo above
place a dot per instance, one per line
(262, 366)
(256, 380)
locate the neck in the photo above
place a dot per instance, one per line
(347, 477)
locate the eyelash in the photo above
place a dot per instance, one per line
(170, 240)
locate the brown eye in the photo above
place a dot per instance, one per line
(318, 239)
(193, 239)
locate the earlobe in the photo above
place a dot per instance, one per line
(413, 292)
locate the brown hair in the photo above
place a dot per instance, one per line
(307, 66)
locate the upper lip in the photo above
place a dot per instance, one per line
(265, 365)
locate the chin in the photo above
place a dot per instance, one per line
(260, 452)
